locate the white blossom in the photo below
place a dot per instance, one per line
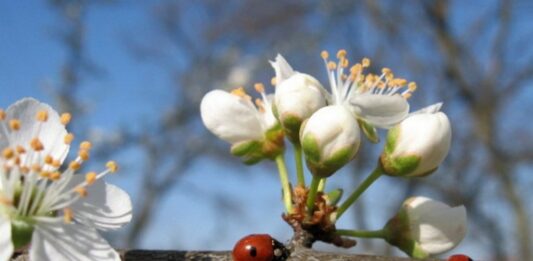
(54, 210)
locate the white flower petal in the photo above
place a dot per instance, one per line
(426, 135)
(51, 133)
(282, 68)
(106, 206)
(434, 108)
(335, 128)
(300, 95)
(382, 111)
(6, 246)
(59, 241)
(434, 225)
(231, 118)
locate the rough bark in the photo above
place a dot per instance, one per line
(304, 254)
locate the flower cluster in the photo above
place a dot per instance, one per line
(326, 127)
(45, 204)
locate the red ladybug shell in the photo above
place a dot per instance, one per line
(459, 258)
(255, 247)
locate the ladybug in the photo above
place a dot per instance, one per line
(259, 247)
(459, 258)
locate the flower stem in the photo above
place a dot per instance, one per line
(283, 176)
(312, 194)
(359, 191)
(322, 184)
(361, 233)
(299, 165)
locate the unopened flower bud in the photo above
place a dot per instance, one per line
(417, 145)
(330, 139)
(425, 227)
(297, 96)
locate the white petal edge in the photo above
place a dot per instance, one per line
(436, 226)
(282, 68)
(105, 207)
(61, 242)
(51, 134)
(382, 111)
(229, 117)
(434, 108)
(6, 246)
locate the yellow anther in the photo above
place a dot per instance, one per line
(344, 63)
(239, 92)
(112, 166)
(82, 191)
(36, 167)
(324, 54)
(65, 118)
(36, 144)
(5, 201)
(83, 154)
(260, 105)
(24, 170)
(55, 176)
(44, 174)
(412, 86)
(56, 163)
(17, 161)
(90, 178)
(68, 138)
(14, 124)
(2, 115)
(365, 62)
(332, 65)
(356, 69)
(68, 215)
(399, 82)
(42, 116)
(20, 150)
(74, 165)
(48, 159)
(85, 145)
(259, 87)
(273, 81)
(8, 153)
(341, 54)
(386, 71)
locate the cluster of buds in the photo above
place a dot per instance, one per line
(327, 126)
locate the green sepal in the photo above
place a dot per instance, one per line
(397, 233)
(311, 149)
(291, 125)
(21, 231)
(333, 197)
(242, 148)
(398, 165)
(369, 130)
(326, 168)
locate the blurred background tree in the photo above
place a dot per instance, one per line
(136, 71)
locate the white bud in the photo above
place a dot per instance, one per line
(425, 227)
(230, 117)
(330, 139)
(418, 145)
(297, 96)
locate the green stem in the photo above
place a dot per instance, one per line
(311, 197)
(284, 178)
(361, 233)
(357, 193)
(299, 165)
(322, 184)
